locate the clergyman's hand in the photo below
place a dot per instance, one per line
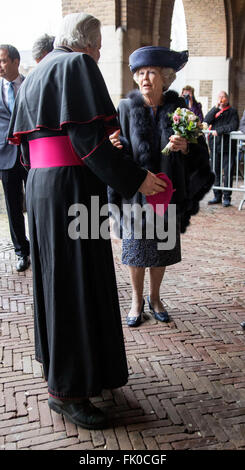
(152, 185)
(114, 138)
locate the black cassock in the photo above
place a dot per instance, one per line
(78, 331)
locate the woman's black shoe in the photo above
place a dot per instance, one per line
(82, 413)
(136, 321)
(161, 316)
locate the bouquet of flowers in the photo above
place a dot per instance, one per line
(186, 124)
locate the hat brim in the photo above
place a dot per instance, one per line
(153, 56)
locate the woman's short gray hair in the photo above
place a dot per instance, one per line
(78, 30)
(168, 75)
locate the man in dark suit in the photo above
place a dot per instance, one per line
(12, 172)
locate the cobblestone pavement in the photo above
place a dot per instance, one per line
(186, 388)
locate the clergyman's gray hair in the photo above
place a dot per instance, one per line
(77, 31)
(42, 46)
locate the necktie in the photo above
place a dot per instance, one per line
(11, 96)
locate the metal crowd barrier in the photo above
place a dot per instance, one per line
(239, 165)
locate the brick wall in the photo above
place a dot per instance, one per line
(151, 17)
(206, 89)
(206, 27)
(165, 22)
(215, 28)
(103, 10)
(235, 16)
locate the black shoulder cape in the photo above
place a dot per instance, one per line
(70, 85)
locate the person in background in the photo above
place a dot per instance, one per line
(222, 119)
(62, 118)
(42, 46)
(242, 123)
(191, 102)
(13, 173)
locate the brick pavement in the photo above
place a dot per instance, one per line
(186, 388)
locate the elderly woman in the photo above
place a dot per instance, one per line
(145, 129)
(62, 118)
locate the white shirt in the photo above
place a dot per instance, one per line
(16, 83)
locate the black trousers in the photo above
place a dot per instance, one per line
(12, 181)
(228, 174)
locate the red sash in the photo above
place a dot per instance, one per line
(217, 115)
(53, 151)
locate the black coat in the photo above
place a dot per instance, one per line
(78, 332)
(190, 174)
(52, 99)
(225, 123)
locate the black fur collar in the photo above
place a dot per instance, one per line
(145, 141)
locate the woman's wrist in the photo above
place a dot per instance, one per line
(185, 152)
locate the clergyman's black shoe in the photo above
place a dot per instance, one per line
(83, 413)
(243, 325)
(215, 200)
(23, 263)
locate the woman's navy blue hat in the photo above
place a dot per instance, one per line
(157, 56)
